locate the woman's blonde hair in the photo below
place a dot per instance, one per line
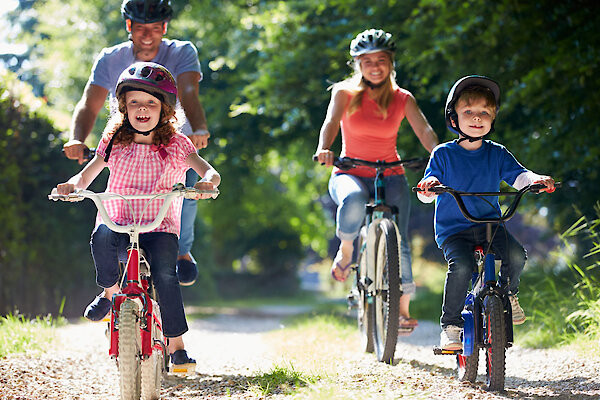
(119, 126)
(357, 86)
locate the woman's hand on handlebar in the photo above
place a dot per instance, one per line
(425, 184)
(324, 156)
(546, 181)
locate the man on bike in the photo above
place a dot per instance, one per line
(146, 22)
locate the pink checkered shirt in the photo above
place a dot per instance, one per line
(140, 169)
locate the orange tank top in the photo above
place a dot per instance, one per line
(367, 135)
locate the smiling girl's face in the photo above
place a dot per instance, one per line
(375, 67)
(143, 110)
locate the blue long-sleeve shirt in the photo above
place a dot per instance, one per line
(479, 170)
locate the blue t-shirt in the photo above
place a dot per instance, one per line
(176, 55)
(479, 170)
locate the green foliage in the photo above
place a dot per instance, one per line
(20, 335)
(566, 303)
(40, 242)
(280, 379)
(267, 65)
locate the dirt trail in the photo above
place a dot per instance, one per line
(232, 347)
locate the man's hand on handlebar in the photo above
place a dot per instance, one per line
(425, 184)
(75, 150)
(324, 156)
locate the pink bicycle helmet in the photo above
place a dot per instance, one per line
(151, 78)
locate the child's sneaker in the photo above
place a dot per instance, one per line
(181, 363)
(450, 338)
(518, 315)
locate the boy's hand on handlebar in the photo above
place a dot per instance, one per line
(325, 157)
(205, 185)
(546, 181)
(425, 184)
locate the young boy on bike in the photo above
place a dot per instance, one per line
(472, 164)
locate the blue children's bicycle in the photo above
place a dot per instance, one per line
(377, 286)
(487, 313)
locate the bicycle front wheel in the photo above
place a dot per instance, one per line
(129, 351)
(386, 304)
(152, 368)
(364, 318)
(495, 343)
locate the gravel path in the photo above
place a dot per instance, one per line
(232, 347)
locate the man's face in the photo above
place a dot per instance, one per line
(146, 39)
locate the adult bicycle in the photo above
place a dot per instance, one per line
(487, 313)
(377, 284)
(135, 332)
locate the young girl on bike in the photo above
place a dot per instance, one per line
(144, 153)
(369, 108)
(471, 164)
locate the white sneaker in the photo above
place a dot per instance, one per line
(450, 338)
(518, 315)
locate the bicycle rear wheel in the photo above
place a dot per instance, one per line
(495, 341)
(129, 351)
(364, 318)
(467, 366)
(386, 304)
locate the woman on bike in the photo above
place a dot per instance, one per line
(145, 153)
(369, 107)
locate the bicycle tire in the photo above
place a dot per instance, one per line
(467, 366)
(152, 368)
(495, 343)
(129, 351)
(386, 304)
(364, 318)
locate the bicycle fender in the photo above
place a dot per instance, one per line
(468, 333)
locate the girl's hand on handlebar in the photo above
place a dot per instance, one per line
(546, 181)
(324, 156)
(205, 185)
(425, 184)
(65, 188)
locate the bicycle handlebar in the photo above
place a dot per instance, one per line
(178, 191)
(508, 214)
(346, 163)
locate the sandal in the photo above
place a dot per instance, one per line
(337, 266)
(406, 326)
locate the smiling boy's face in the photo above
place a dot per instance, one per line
(475, 116)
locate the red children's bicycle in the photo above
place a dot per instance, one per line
(136, 337)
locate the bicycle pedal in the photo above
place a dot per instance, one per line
(439, 351)
(183, 369)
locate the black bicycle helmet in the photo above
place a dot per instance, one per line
(454, 94)
(147, 11)
(371, 41)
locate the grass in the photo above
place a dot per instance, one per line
(280, 379)
(21, 335)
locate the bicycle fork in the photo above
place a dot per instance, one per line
(136, 290)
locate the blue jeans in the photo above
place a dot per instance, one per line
(109, 247)
(458, 250)
(188, 217)
(351, 194)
